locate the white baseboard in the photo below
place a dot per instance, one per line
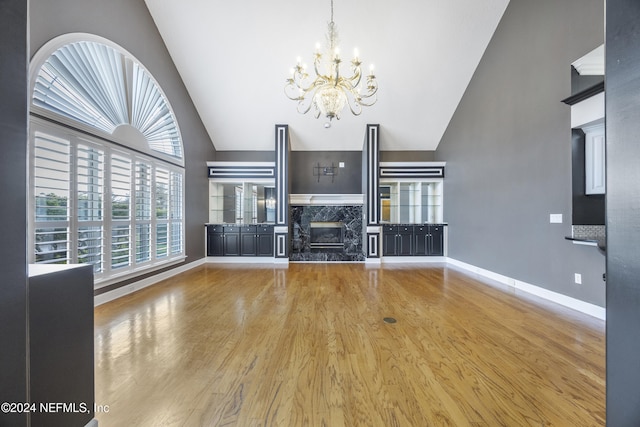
(241, 260)
(144, 283)
(573, 303)
(412, 259)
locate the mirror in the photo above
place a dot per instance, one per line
(410, 202)
(242, 203)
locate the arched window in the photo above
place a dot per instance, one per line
(106, 158)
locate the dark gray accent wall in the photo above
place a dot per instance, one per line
(129, 24)
(347, 180)
(13, 176)
(61, 343)
(407, 156)
(245, 156)
(623, 212)
(508, 151)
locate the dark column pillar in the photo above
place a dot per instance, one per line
(283, 187)
(13, 176)
(370, 183)
(622, 83)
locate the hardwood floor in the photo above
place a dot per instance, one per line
(307, 346)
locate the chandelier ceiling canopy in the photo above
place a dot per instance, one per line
(329, 91)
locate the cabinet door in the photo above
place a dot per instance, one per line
(405, 240)
(231, 241)
(421, 240)
(215, 241)
(265, 244)
(248, 240)
(389, 234)
(437, 240)
(247, 244)
(594, 145)
(232, 244)
(215, 244)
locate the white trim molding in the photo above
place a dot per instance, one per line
(413, 259)
(144, 283)
(240, 260)
(564, 300)
(326, 199)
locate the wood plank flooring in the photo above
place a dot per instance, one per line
(225, 345)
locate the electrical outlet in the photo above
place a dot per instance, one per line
(555, 218)
(341, 164)
(578, 278)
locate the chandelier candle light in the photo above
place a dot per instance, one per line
(329, 91)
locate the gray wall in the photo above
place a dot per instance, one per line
(245, 156)
(407, 156)
(13, 176)
(508, 151)
(129, 24)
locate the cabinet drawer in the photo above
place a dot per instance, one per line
(390, 229)
(231, 229)
(265, 229)
(214, 229)
(420, 229)
(248, 229)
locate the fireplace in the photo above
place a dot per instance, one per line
(328, 232)
(325, 234)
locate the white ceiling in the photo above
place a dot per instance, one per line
(234, 57)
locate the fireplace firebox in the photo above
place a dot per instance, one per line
(324, 234)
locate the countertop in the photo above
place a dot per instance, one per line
(598, 241)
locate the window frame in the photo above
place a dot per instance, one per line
(43, 54)
(108, 275)
(128, 144)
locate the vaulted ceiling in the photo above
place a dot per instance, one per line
(234, 57)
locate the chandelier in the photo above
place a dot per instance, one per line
(330, 91)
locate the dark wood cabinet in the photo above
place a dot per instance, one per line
(397, 240)
(215, 240)
(413, 240)
(265, 240)
(389, 233)
(428, 240)
(404, 241)
(231, 240)
(437, 240)
(421, 240)
(247, 240)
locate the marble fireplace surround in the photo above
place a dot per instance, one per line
(343, 208)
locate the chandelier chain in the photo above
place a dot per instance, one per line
(331, 11)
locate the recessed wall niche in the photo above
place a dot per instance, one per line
(587, 138)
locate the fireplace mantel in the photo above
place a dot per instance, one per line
(326, 199)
